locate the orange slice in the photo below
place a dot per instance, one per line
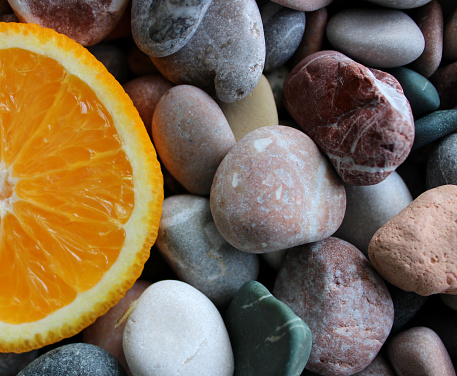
(81, 189)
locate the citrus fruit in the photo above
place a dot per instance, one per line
(81, 189)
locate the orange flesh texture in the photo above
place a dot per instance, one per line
(63, 201)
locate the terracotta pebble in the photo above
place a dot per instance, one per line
(304, 5)
(419, 351)
(257, 109)
(191, 136)
(413, 249)
(358, 116)
(332, 287)
(275, 190)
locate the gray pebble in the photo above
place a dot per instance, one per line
(442, 163)
(12, 363)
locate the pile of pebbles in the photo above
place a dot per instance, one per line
(309, 156)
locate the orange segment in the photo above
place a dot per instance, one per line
(80, 188)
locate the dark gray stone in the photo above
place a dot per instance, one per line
(162, 27)
(434, 126)
(442, 163)
(12, 363)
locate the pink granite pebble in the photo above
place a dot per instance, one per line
(415, 250)
(358, 116)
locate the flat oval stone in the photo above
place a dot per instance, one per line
(412, 250)
(434, 126)
(358, 116)
(267, 337)
(400, 4)
(304, 5)
(191, 136)
(86, 21)
(12, 363)
(175, 329)
(75, 359)
(190, 242)
(419, 351)
(369, 207)
(256, 110)
(275, 190)
(161, 28)
(226, 62)
(332, 287)
(362, 35)
(442, 163)
(283, 28)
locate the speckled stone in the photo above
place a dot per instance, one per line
(445, 82)
(361, 34)
(276, 190)
(411, 251)
(332, 287)
(442, 163)
(267, 337)
(400, 4)
(86, 21)
(358, 116)
(257, 109)
(226, 62)
(176, 330)
(283, 28)
(434, 126)
(196, 251)
(419, 351)
(304, 5)
(113, 58)
(74, 359)
(161, 28)
(450, 37)
(12, 363)
(369, 207)
(191, 136)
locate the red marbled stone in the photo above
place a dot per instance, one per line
(358, 116)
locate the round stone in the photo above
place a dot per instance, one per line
(442, 163)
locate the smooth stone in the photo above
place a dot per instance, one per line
(275, 190)
(257, 109)
(226, 62)
(430, 20)
(267, 337)
(74, 359)
(113, 58)
(161, 28)
(442, 163)
(145, 92)
(369, 207)
(105, 334)
(450, 301)
(86, 21)
(420, 92)
(359, 117)
(332, 287)
(174, 329)
(445, 82)
(362, 35)
(191, 136)
(276, 79)
(419, 351)
(412, 250)
(190, 242)
(139, 63)
(283, 28)
(400, 4)
(434, 126)
(380, 366)
(12, 363)
(450, 37)
(304, 5)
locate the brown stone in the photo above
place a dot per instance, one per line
(333, 288)
(358, 116)
(445, 82)
(415, 250)
(450, 37)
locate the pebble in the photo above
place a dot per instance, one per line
(445, 82)
(226, 62)
(12, 363)
(380, 366)
(139, 63)
(257, 109)
(400, 4)
(359, 117)
(449, 300)
(411, 251)
(442, 163)
(369, 207)
(267, 337)
(283, 28)
(75, 359)
(190, 242)
(361, 34)
(176, 330)
(161, 28)
(191, 136)
(419, 351)
(434, 126)
(450, 37)
(86, 21)
(333, 288)
(276, 80)
(304, 5)
(275, 190)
